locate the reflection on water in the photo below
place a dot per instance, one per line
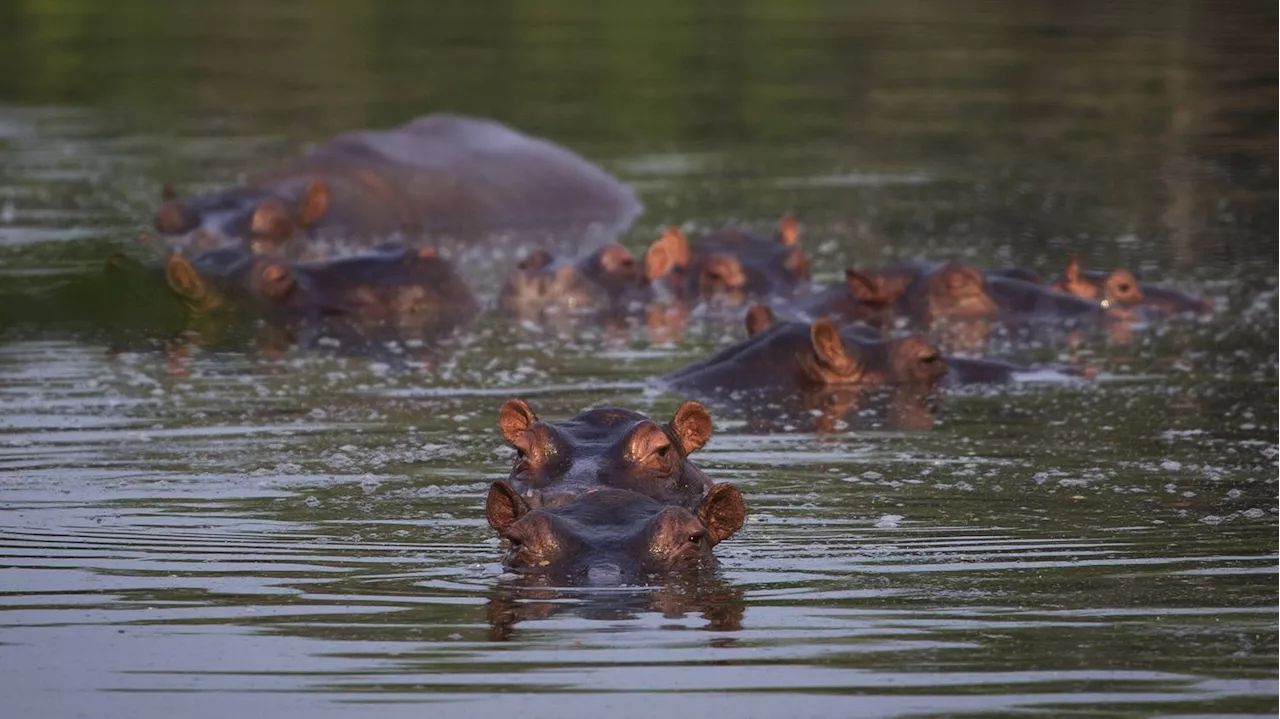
(199, 514)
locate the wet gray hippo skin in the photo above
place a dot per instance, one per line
(438, 174)
(612, 536)
(606, 448)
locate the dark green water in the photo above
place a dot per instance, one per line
(221, 530)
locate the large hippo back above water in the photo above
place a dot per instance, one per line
(439, 175)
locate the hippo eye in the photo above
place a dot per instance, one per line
(929, 358)
(1124, 287)
(664, 450)
(697, 537)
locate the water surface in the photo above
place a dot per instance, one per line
(191, 521)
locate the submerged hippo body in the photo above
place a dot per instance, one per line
(606, 448)
(444, 176)
(1022, 301)
(612, 536)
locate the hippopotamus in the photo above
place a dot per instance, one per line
(1022, 301)
(923, 371)
(443, 176)
(867, 297)
(731, 265)
(392, 286)
(793, 356)
(612, 536)
(606, 447)
(1120, 292)
(607, 280)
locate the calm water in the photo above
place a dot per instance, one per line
(212, 527)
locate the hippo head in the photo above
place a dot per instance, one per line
(539, 285)
(958, 291)
(1117, 290)
(875, 295)
(263, 218)
(606, 447)
(612, 536)
(731, 265)
(914, 361)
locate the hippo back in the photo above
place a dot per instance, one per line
(460, 176)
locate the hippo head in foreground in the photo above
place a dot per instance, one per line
(263, 218)
(613, 536)
(606, 447)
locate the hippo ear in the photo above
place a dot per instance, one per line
(759, 319)
(692, 426)
(514, 418)
(173, 219)
(168, 194)
(503, 507)
(789, 230)
(658, 260)
(314, 204)
(1073, 270)
(271, 220)
(722, 512)
(677, 245)
(183, 278)
(863, 286)
(829, 347)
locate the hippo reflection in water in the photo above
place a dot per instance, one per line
(438, 175)
(613, 536)
(606, 447)
(537, 596)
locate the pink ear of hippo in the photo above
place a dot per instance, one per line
(789, 230)
(314, 204)
(658, 259)
(514, 418)
(692, 426)
(722, 512)
(829, 346)
(503, 507)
